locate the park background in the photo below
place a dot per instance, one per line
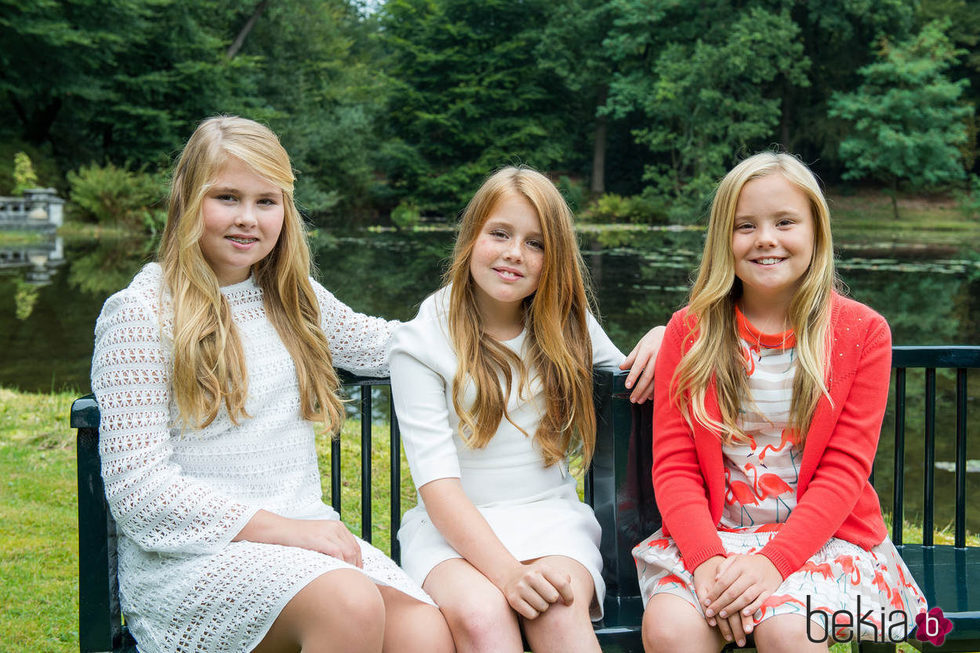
(395, 111)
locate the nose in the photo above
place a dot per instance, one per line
(765, 237)
(245, 217)
(513, 250)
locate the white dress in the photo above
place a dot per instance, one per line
(180, 497)
(534, 510)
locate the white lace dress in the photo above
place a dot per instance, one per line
(180, 497)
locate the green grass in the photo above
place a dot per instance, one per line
(867, 217)
(39, 523)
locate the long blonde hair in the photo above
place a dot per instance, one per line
(557, 343)
(716, 352)
(209, 365)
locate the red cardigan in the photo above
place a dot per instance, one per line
(834, 497)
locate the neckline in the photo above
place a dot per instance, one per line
(241, 285)
(748, 332)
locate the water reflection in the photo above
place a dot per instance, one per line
(930, 297)
(36, 261)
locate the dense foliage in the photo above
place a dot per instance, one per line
(410, 103)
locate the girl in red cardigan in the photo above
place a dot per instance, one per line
(770, 392)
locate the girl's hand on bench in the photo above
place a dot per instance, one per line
(641, 362)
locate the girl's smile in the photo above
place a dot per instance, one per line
(772, 239)
(506, 261)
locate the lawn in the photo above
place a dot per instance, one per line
(39, 521)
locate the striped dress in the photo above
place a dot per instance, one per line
(761, 478)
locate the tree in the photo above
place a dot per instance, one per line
(571, 46)
(467, 96)
(907, 122)
(707, 79)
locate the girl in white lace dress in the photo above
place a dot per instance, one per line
(770, 392)
(209, 370)
(492, 382)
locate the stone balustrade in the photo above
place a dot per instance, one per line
(39, 209)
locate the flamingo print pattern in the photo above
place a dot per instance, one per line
(761, 477)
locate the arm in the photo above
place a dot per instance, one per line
(530, 588)
(677, 477)
(358, 342)
(152, 502)
(422, 406)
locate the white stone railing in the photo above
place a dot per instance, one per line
(39, 208)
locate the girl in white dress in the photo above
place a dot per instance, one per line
(770, 392)
(209, 370)
(492, 383)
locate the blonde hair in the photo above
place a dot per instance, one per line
(716, 353)
(209, 365)
(557, 343)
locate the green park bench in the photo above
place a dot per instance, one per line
(618, 487)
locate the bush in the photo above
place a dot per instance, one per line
(969, 201)
(406, 215)
(24, 175)
(574, 192)
(109, 195)
(616, 209)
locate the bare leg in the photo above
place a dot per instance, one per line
(478, 615)
(412, 626)
(788, 632)
(566, 628)
(339, 612)
(672, 624)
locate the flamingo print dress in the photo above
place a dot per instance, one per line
(761, 477)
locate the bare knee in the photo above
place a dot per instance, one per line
(413, 626)
(345, 608)
(562, 628)
(481, 619)
(789, 632)
(671, 624)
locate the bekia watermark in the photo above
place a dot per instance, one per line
(838, 624)
(932, 627)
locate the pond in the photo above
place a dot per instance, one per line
(51, 294)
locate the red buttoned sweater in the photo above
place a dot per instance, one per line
(834, 497)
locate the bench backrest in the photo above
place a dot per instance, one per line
(618, 485)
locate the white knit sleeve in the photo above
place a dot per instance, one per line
(153, 503)
(358, 342)
(604, 352)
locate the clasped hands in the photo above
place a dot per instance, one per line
(532, 587)
(731, 589)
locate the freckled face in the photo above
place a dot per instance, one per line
(243, 215)
(772, 239)
(507, 256)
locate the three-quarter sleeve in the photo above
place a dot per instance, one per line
(420, 394)
(358, 342)
(604, 352)
(153, 503)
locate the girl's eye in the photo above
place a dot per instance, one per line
(497, 233)
(745, 226)
(225, 197)
(267, 202)
(535, 244)
(785, 223)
